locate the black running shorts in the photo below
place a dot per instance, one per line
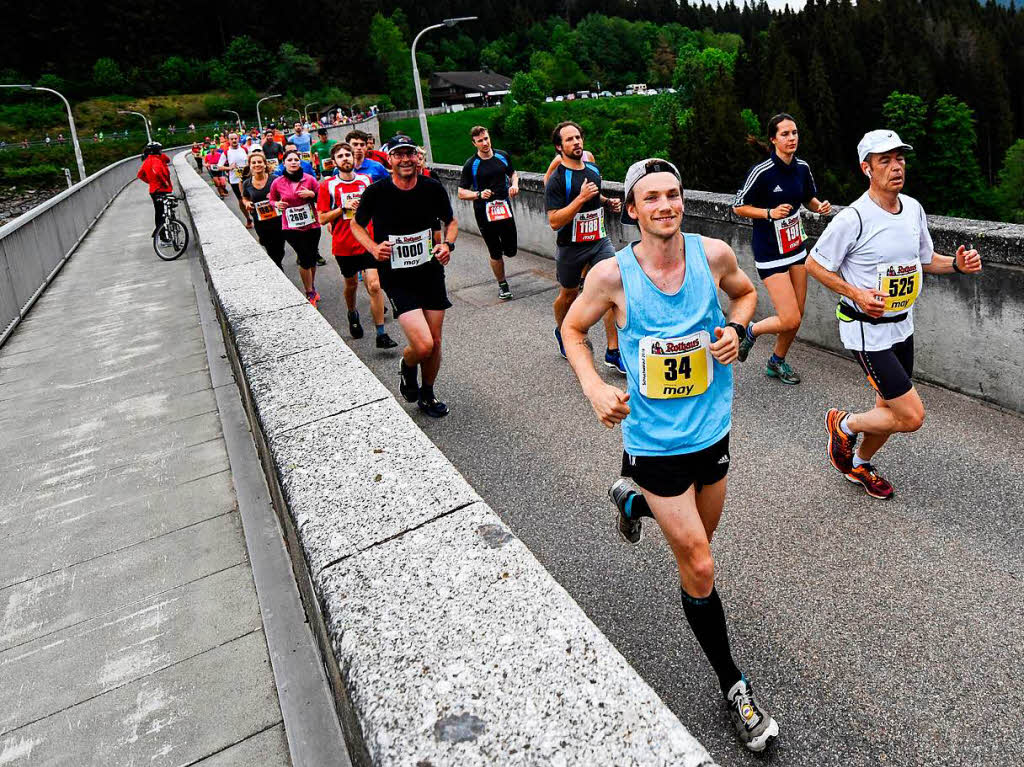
(351, 265)
(889, 370)
(237, 189)
(423, 289)
(671, 475)
(500, 237)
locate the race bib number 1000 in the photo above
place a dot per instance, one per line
(675, 367)
(408, 250)
(789, 233)
(588, 226)
(900, 283)
(498, 210)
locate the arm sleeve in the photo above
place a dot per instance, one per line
(748, 192)
(837, 240)
(323, 199)
(466, 179)
(364, 213)
(927, 248)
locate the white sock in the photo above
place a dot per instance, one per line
(846, 429)
(858, 461)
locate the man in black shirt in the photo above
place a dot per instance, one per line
(490, 180)
(576, 212)
(408, 212)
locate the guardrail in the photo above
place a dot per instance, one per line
(445, 640)
(34, 246)
(969, 331)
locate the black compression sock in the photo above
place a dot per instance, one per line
(637, 506)
(707, 619)
(427, 392)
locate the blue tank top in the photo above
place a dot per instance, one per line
(663, 347)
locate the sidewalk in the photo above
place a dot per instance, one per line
(130, 631)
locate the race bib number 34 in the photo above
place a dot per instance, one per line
(498, 210)
(408, 250)
(588, 226)
(789, 233)
(675, 367)
(900, 283)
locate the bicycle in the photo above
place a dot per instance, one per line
(171, 238)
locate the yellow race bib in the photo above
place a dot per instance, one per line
(900, 283)
(676, 367)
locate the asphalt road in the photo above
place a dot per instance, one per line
(875, 632)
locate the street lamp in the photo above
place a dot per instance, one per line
(237, 118)
(259, 120)
(71, 122)
(416, 79)
(305, 113)
(145, 121)
(297, 112)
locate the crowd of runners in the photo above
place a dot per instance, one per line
(393, 227)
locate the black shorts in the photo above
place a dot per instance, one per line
(762, 273)
(500, 237)
(237, 189)
(423, 289)
(305, 243)
(571, 260)
(351, 265)
(671, 475)
(889, 370)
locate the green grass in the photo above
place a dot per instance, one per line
(618, 131)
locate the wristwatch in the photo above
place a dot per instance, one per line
(451, 246)
(740, 330)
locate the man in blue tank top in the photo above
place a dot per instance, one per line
(676, 414)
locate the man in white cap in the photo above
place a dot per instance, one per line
(874, 254)
(676, 413)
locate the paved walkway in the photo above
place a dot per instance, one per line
(878, 632)
(130, 631)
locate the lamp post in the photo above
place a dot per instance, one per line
(416, 78)
(305, 113)
(71, 122)
(259, 120)
(237, 118)
(297, 112)
(145, 121)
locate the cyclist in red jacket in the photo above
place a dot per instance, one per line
(156, 171)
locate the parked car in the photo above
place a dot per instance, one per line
(606, 94)
(669, 90)
(548, 100)
(559, 98)
(570, 97)
(618, 93)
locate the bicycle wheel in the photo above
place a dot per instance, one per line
(170, 240)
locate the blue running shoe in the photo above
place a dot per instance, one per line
(613, 359)
(558, 338)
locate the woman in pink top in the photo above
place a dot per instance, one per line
(294, 194)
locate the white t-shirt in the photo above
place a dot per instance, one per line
(885, 238)
(237, 156)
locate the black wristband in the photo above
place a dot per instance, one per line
(956, 266)
(740, 330)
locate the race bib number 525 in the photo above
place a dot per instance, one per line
(675, 367)
(900, 283)
(408, 250)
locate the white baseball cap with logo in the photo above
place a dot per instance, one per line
(879, 141)
(636, 172)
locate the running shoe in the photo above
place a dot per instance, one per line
(408, 385)
(504, 292)
(840, 444)
(631, 530)
(746, 344)
(353, 325)
(384, 341)
(313, 298)
(320, 261)
(873, 483)
(558, 338)
(613, 359)
(432, 407)
(753, 724)
(782, 371)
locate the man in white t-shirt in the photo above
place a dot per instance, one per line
(874, 254)
(234, 160)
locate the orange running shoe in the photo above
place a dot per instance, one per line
(874, 484)
(840, 444)
(313, 298)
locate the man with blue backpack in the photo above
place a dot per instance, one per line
(490, 181)
(575, 208)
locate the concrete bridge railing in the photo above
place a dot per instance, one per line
(445, 640)
(969, 331)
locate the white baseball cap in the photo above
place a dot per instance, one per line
(637, 171)
(879, 141)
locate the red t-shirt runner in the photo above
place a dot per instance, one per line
(334, 193)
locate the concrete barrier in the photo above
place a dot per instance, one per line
(34, 246)
(969, 331)
(446, 641)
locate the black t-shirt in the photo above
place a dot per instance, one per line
(494, 173)
(257, 195)
(272, 150)
(563, 187)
